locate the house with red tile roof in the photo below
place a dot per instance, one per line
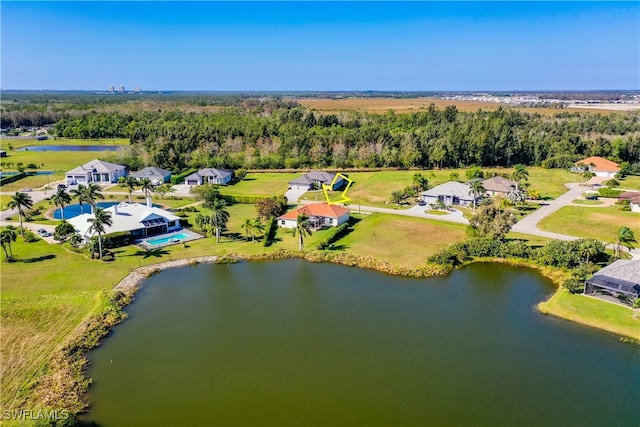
(320, 215)
(598, 165)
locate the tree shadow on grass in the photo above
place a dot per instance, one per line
(156, 253)
(37, 259)
(338, 247)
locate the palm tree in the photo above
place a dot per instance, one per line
(588, 248)
(302, 229)
(635, 304)
(80, 194)
(7, 236)
(219, 217)
(130, 183)
(247, 226)
(92, 193)
(476, 190)
(258, 227)
(202, 223)
(520, 172)
(100, 219)
(20, 201)
(147, 186)
(61, 198)
(626, 238)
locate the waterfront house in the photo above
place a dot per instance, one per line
(316, 178)
(138, 219)
(450, 194)
(598, 165)
(210, 176)
(157, 176)
(97, 171)
(320, 215)
(620, 280)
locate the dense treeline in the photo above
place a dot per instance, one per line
(276, 136)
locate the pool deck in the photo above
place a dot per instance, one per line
(144, 243)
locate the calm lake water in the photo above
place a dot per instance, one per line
(71, 148)
(296, 343)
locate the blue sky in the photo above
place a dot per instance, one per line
(321, 46)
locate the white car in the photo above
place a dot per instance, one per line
(24, 190)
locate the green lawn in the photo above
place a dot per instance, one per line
(19, 143)
(400, 240)
(266, 184)
(587, 202)
(598, 223)
(593, 312)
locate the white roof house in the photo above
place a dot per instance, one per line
(449, 193)
(95, 171)
(141, 220)
(210, 176)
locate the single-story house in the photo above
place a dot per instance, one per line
(620, 278)
(634, 200)
(450, 193)
(320, 215)
(210, 176)
(157, 176)
(307, 181)
(598, 165)
(95, 171)
(141, 220)
(499, 185)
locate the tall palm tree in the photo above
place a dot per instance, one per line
(100, 219)
(92, 194)
(61, 198)
(20, 201)
(303, 228)
(520, 172)
(219, 217)
(258, 227)
(7, 236)
(247, 226)
(626, 238)
(130, 183)
(476, 190)
(79, 193)
(147, 186)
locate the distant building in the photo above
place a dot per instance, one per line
(120, 89)
(598, 165)
(156, 175)
(308, 180)
(112, 89)
(137, 89)
(210, 176)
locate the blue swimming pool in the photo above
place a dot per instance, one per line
(167, 239)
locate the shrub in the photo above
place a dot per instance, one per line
(608, 192)
(29, 237)
(611, 183)
(574, 286)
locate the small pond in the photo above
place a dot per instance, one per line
(300, 344)
(71, 148)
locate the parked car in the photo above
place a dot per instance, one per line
(62, 186)
(422, 203)
(43, 233)
(25, 190)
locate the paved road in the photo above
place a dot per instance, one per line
(36, 196)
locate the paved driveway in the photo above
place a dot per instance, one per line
(293, 195)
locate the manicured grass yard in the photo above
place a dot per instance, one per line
(400, 240)
(599, 223)
(590, 311)
(266, 184)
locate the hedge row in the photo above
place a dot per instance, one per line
(245, 199)
(270, 234)
(335, 235)
(176, 179)
(12, 178)
(609, 192)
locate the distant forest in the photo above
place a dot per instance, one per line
(275, 134)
